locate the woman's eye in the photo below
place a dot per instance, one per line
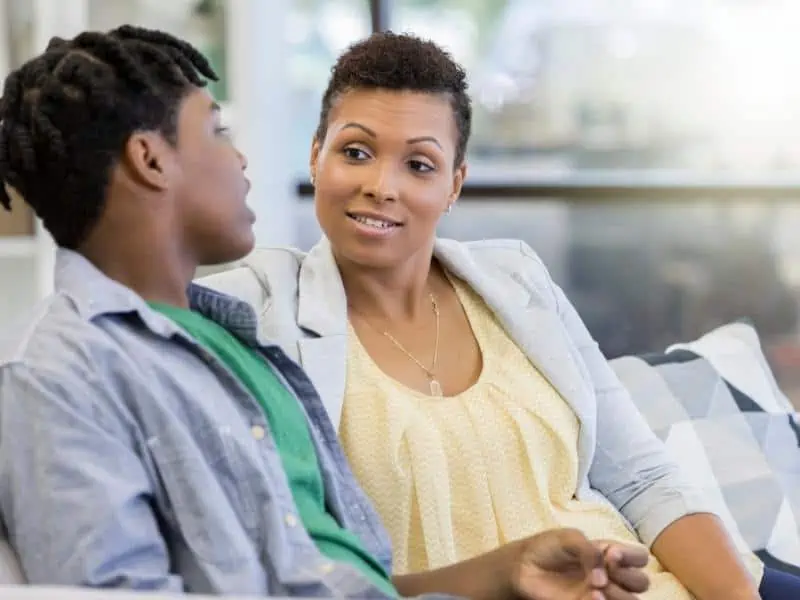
(223, 131)
(355, 154)
(420, 166)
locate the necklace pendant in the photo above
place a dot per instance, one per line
(436, 389)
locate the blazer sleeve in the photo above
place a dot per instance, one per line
(631, 466)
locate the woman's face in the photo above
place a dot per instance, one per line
(385, 174)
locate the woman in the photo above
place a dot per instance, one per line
(471, 401)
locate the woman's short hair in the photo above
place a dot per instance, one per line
(401, 62)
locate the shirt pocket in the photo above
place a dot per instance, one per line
(204, 494)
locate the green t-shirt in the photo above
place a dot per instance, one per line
(287, 422)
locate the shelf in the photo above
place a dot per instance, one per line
(17, 246)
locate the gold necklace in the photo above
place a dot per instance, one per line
(435, 386)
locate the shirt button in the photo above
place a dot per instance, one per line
(258, 432)
(326, 568)
(291, 520)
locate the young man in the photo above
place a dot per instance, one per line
(148, 438)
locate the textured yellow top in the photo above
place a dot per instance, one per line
(459, 476)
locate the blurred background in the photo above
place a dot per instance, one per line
(647, 149)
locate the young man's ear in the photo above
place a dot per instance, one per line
(146, 159)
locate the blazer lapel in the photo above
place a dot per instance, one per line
(322, 311)
(324, 360)
(525, 316)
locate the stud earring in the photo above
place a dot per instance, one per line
(449, 209)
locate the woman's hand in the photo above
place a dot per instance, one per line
(563, 564)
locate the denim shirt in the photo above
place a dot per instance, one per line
(131, 457)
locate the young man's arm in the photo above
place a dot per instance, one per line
(555, 564)
(74, 494)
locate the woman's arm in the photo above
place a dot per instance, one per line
(698, 551)
(632, 469)
(630, 466)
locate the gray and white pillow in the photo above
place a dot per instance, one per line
(718, 408)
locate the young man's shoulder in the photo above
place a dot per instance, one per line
(52, 360)
(49, 332)
(55, 341)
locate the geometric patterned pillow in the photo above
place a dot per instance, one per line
(716, 405)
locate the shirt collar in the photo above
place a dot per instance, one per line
(94, 294)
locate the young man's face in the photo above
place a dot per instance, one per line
(210, 187)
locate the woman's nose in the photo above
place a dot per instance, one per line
(381, 184)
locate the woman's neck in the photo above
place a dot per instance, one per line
(393, 294)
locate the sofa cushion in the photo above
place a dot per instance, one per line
(715, 403)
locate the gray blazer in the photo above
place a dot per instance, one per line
(302, 307)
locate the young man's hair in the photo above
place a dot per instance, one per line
(401, 62)
(66, 115)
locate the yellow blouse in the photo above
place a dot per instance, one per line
(456, 477)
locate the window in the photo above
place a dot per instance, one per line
(567, 85)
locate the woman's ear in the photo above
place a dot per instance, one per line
(314, 159)
(459, 175)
